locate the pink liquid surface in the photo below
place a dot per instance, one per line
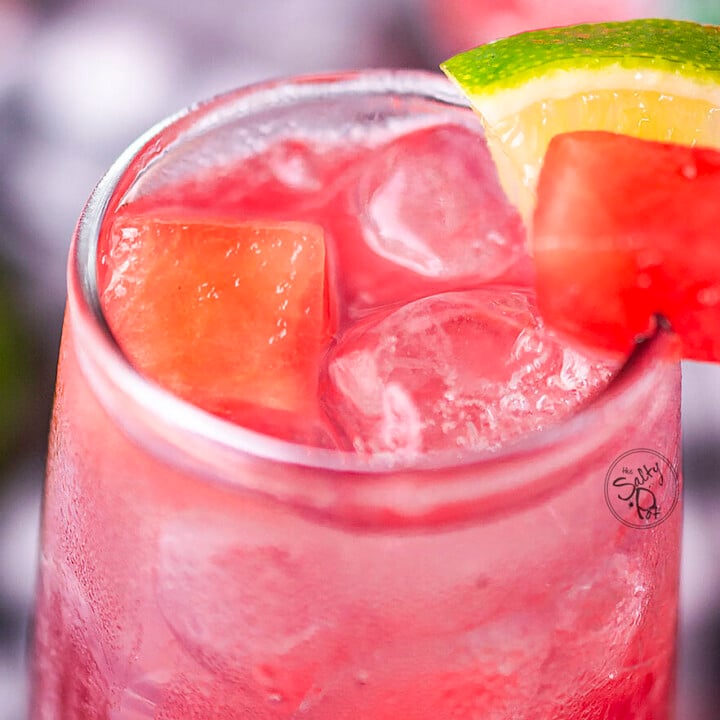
(164, 596)
(437, 343)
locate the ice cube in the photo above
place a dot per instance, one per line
(439, 677)
(261, 614)
(469, 369)
(613, 604)
(422, 214)
(434, 205)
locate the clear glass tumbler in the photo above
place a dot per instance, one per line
(193, 569)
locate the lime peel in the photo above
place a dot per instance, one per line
(669, 46)
(655, 79)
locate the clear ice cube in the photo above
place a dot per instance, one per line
(462, 370)
(432, 204)
(261, 616)
(421, 214)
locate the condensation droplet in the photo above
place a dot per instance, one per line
(649, 258)
(362, 677)
(644, 280)
(709, 296)
(689, 171)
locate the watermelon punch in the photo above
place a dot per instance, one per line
(317, 454)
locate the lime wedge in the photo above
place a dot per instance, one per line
(652, 79)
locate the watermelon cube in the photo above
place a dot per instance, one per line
(627, 232)
(231, 316)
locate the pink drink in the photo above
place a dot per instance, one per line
(462, 528)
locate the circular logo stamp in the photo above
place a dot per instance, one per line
(642, 488)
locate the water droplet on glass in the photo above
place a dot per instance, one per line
(362, 677)
(709, 296)
(689, 170)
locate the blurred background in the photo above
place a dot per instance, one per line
(80, 79)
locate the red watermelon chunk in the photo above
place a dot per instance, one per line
(627, 231)
(231, 316)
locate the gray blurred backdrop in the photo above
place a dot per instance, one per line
(79, 79)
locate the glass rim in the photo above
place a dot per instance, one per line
(181, 417)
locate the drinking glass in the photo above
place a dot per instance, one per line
(194, 569)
